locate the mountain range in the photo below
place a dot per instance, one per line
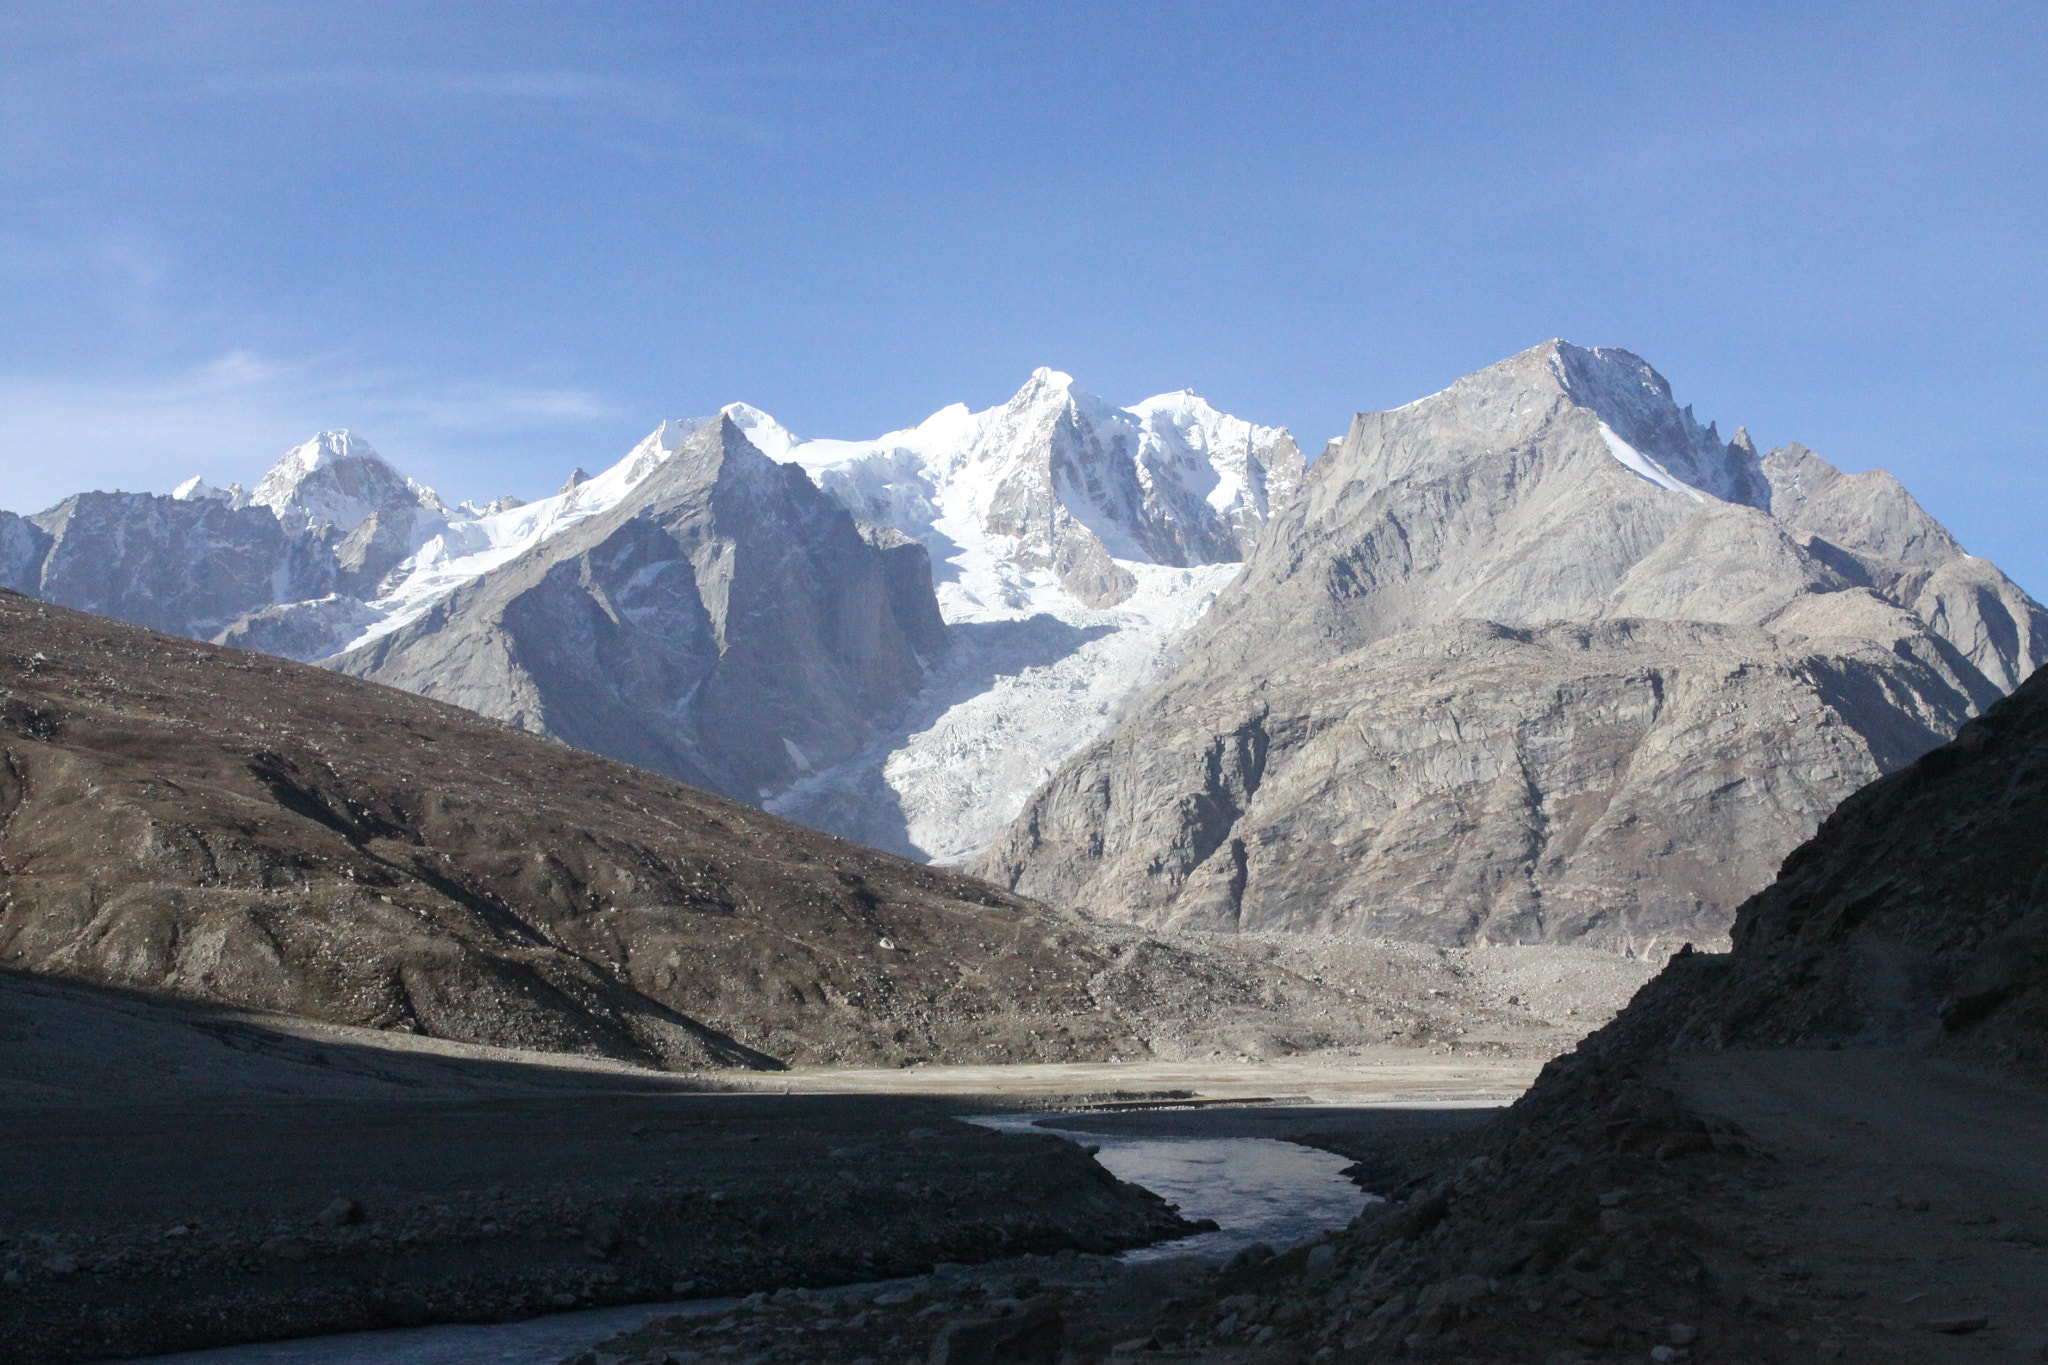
(1535, 658)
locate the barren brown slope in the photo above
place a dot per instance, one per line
(194, 820)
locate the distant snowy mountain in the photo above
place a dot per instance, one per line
(336, 479)
(1536, 657)
(1057, 479)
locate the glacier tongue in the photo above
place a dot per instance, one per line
(1021, 688)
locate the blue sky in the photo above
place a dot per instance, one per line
(504, 239)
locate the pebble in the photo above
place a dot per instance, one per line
(340, 1213)
(1954, 1327)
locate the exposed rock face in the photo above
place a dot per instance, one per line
(187, 566)
(1381, 728)
(22, 547)
(727, 624)
(1869, 528)
(1917, 916)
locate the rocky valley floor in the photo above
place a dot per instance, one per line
(184, 1175)
(220, 1180)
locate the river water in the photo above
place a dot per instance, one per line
(1256, 1189)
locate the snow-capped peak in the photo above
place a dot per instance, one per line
(769, 436)
(1171, 481)
(336, 479)
(196, 489)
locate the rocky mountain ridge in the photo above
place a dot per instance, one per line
(1536, 658)
(1542, 638)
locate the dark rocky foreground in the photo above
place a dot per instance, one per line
(267, 1184)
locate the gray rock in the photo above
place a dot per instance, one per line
(381, 542)
(1873, 531)
(187, 567)
(340, 1213)
(304, 631)
(1534, 659)
(22, 547)
(1032, 1337)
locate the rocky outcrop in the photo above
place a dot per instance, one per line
(1536, 658)
(187, 566)
(22, 547)
(727, 624)
(1917, 916)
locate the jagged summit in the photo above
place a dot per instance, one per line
(1061, 484)
(716, 452)
(766, 434)
(725, 622)
(196, 489)
(1635, 403)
